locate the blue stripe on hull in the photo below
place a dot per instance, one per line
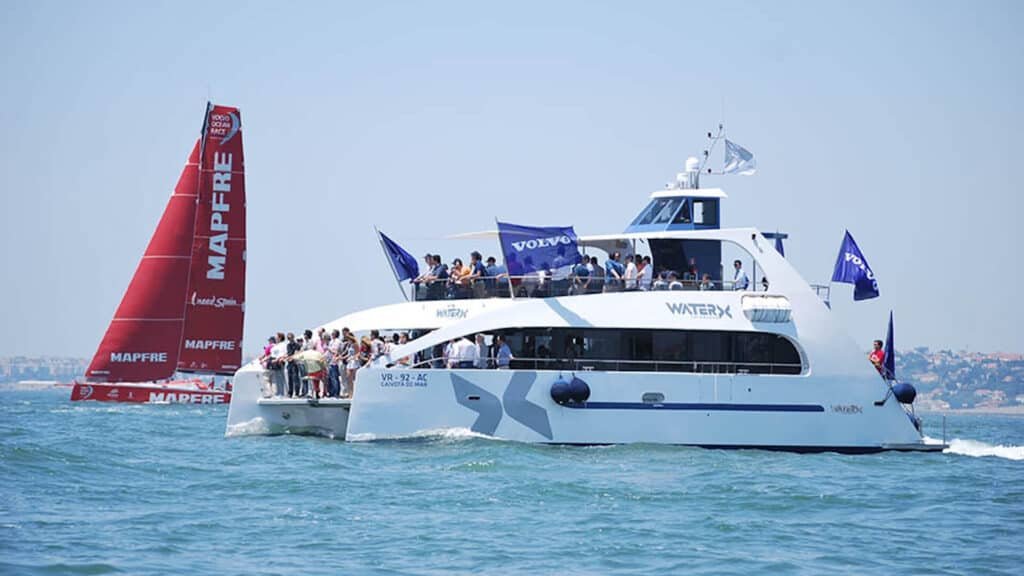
(783, 448)
(724, 407)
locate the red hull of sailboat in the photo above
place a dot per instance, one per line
(180, 392)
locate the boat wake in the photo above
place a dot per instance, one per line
(976, 449)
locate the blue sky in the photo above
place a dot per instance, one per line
(898, 120)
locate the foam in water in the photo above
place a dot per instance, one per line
(447, 434)
(254, 427)
(978, 449)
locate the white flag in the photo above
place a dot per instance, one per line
(738, 160)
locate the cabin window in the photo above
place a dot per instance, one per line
(627, 350)
(705, 211)
(683, 216)
(652, 210)
(659, 211)
(666, 212)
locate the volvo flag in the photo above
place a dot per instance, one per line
(531, 248)
(403, 263)
(738, 160)
(852, 268)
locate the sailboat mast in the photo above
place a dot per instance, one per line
(195, 224)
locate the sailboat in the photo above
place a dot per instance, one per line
(179, 324)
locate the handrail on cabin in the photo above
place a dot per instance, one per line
(588, 364)
(537, 286)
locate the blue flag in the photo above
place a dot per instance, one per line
(403, 263)
(889, 364)
(531, 248)
(852, 268)
(778, 246)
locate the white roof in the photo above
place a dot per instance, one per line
(480, 235)
(709, 234)
(423, 315)
(689, 193)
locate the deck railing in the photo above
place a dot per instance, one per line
(615, 365)
(533, 286)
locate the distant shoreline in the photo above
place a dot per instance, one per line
(998, 410)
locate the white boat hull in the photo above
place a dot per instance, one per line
(726, 411)
(790, 413)
(256, 414)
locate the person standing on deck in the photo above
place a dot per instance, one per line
(613, 271)
(404, 361)
(466, 353)
(278, 353)
(336, 366)
(739, 278)
(350, 355)
(503, 354)
(581, 277)
(877, 357)
(292, 367)
(596, 285)
(644, 276)
(493, 271)
(481, 352)
(477, 273)
(631, 273)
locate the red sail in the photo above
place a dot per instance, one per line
(143, 339)
(215, 299)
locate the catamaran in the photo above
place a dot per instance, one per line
(724, 363)
(184, 310)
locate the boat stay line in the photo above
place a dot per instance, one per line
(725, 407)
(169, 257)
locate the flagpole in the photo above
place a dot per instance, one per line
(504, 258)
(390, 263)
(707, 153)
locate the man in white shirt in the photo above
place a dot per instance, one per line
(630, 275)
(739, 279)
(645, 274)
(465, 353)
(376, 345)
(481, 352)
(277, 354)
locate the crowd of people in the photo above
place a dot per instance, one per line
(469, 352)
(321, 364)
(486, 278)
(324, 364)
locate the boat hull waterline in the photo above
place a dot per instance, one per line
(705, 411)
(148, 393)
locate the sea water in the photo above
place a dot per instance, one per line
(91, 488)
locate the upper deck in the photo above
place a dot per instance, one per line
(680, 258)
